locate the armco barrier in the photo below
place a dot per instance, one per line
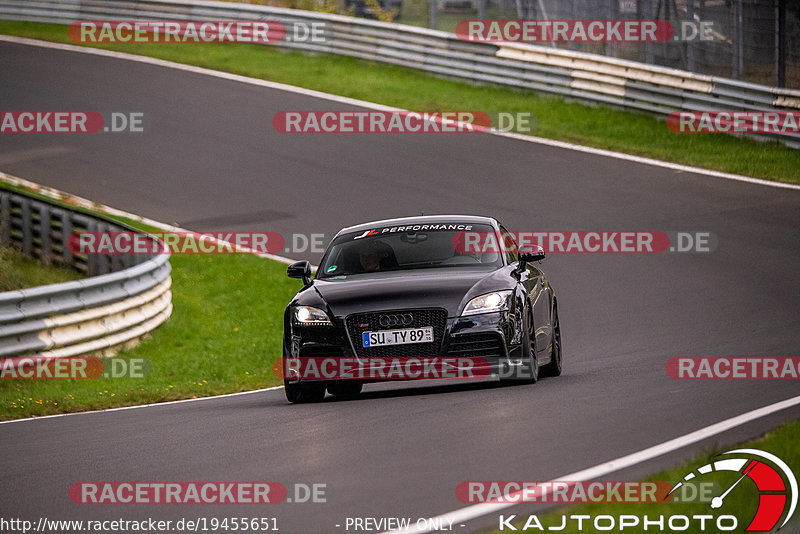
(575, 75)
(124, 297)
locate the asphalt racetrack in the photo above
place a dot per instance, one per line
(210, 160)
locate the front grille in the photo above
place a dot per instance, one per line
(358, 323)
(320, 350)
(476, 345)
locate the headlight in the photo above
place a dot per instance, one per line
(308, 316)
(491, 302)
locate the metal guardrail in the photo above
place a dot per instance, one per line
(575, 75)
(124, 298)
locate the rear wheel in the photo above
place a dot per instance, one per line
(345, 390)
(554, 367)
(297, 394)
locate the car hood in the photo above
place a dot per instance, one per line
(441, 288)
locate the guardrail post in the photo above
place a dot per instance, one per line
(46, 256)
(91, 259)
(5, 219)
(103, 260)
(27, 226)
(66, 230)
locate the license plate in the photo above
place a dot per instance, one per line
(382, 338)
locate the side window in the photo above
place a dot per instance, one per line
(509, 245)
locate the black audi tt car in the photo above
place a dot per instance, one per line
(453, 290)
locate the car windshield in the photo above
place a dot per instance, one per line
(405, 248)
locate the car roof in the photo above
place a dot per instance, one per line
(421, 219)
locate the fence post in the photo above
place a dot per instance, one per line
(690, 43)
(780, 38)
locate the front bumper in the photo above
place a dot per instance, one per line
(473, 346)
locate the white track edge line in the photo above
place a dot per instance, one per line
(151, 405)
(478, 510)
(380, 107)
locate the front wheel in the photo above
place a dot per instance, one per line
(554, 367)
(528, 372)
(297, 394)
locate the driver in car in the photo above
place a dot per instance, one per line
(370, 257)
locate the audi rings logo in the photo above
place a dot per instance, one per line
(396, 319)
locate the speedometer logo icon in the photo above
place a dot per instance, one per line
(776, 484)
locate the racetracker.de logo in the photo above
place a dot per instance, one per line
(177, 492)
(563, 31)
(562, 492)
(70, 122)
(75, 368)
(385, 122)
(758, 122)
(733, 368)
(153, 31)
(584, 242)
(114, 243)
(380, 368)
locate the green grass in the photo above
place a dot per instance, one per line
(18, 271)
(741, 502)
(223, 336)
(608, 128)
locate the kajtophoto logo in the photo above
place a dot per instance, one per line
(773, 486)
(775, 499)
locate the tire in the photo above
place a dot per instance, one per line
(297, 394)
(554, 367)
(345, 390)
(529, 372)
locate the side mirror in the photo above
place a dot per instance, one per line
(300, 269)
(528, 255)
